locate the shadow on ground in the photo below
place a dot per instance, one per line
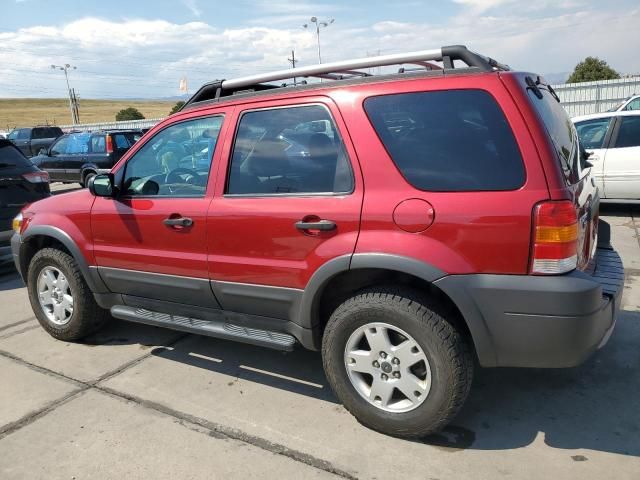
(594, 406)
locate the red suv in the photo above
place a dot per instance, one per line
(404, 224)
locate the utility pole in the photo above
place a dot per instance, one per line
(293, 61)
(319, 24)
(73, 105)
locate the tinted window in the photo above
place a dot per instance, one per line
(275, 153)
(175, 162)
(13, 135)
(448, 141)
(629, 132)
(593, 132)
(560, 129)
(10, 156)
(45, 132)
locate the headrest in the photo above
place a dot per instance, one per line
(268, 158)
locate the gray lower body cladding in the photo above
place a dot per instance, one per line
(539, 321)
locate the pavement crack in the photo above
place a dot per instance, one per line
(635, 226)
(20, 322)
(221, 431)
(17, 332)
(29, 418)
(43, 370)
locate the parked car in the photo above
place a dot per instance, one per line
(613, 141)
(628, 104)
(474, 239)
(77, 157)
(31, 140)
(20, 184)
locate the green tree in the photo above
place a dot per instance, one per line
(129, 113)
(176, 107)
(592, 69)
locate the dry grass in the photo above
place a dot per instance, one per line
(25, 112)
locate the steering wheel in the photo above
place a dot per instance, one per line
(174, 175)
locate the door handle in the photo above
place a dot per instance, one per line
(178, 222)
(324, 225)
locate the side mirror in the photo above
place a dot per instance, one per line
(43, 151)
(101, 185)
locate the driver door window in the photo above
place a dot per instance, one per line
(175, 162)
(60, 147)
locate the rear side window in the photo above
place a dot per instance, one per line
(10, 156)
(629, 132)
(593, 132)
(447, 141)
(294, 150)
(559, 128)
(45, 132)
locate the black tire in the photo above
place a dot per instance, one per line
(448, 353)
(87, 317)
(86, 177)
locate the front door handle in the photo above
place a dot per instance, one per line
(178, 222)
(324, 225)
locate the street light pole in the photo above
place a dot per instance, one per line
(72, 109)
(323, 24)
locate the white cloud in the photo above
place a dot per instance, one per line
(146, 58)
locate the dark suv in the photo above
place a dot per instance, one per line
(77, 157)
(404, 224)
(20, 184)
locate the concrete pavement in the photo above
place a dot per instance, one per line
(140, 402)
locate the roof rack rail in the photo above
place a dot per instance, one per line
(347, 69)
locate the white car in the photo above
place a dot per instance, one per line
(613, 140)
(629, 103)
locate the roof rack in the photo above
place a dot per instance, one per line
(348, 69)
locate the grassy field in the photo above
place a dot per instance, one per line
(25, 112)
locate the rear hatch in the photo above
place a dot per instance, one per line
(569, 156)
(18, 186)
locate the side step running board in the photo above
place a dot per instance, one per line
(228, 331)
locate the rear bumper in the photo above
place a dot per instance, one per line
(537, 321)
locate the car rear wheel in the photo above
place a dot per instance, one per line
(60, 297)
(396, 363)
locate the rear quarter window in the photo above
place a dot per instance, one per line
(445, 141)
(560, 129)
(46, 132)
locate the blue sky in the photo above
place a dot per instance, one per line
(141, 48)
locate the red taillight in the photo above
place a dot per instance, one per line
(109, 144)
(555, 238)
(36, 177)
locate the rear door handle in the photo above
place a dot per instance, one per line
(178, 222)
(324, 225)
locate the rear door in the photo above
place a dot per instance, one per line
(290, 202)
(622, 163)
